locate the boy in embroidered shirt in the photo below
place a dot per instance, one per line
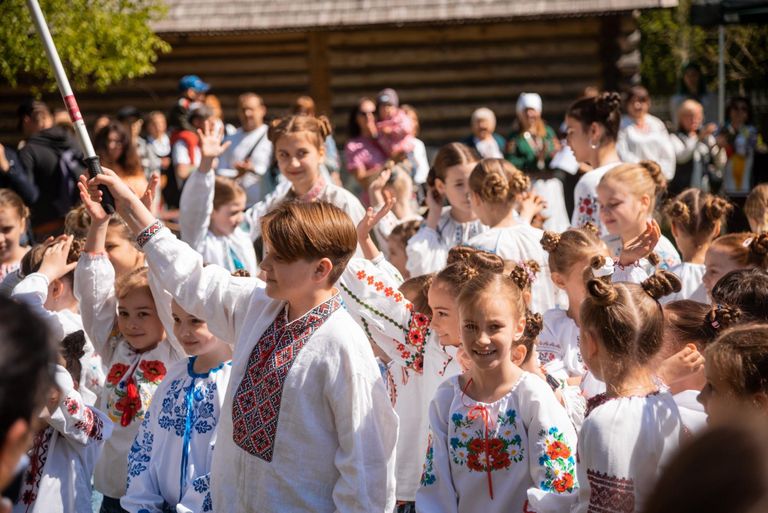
(306, 424)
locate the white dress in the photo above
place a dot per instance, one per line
(428, 249)
(62, 458)
(170, 461)
(232, 252)
(516, 454)
(650, 143)
(132, 377)
(624, 444)
(519, 243)
(306, 424)
(585, 206)
(691, 276)
(33, 291)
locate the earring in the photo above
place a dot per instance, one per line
(593, 145)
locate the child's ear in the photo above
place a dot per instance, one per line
(322, 270)
(760, 400)
(519, 352)
(675, 231)
(440, 186)
(558, 280)
(56, 289)
(520, 328)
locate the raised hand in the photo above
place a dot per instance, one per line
(93, 207)
(376, 188)
(148, 198)
(54, 264)
(642, 245)
(531, 205)
(680, 365)
(372, 218)
(130, 207)
(210, 140)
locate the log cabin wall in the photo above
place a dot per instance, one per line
(444, 71)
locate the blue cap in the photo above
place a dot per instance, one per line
(193, 82)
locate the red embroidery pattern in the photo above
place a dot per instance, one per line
(149, 232)
(154, 370)
(256, 404)
(610, 494)
(91, 424)
(38, 455)
(116, 373)
(72, 406)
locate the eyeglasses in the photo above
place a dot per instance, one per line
(640, 99)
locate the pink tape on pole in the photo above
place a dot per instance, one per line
(74, 110)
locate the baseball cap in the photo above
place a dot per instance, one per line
(193, 82)
(128, 112)
(387, 96)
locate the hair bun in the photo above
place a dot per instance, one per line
(524, 273)
(550, 241)
(590, 227)
(534, 323)
(325, 126)
(717, 208)
(482, 260)
(660, 284)
(608, 102)
(518, 181)
(759, 244)
(654, 259)
(654, 171)
(678, 212)
(495, 187)
(721, 317)
(602, 291)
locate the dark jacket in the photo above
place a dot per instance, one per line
(40, 156)
(18, 179)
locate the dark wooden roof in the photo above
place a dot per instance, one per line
(195, 16)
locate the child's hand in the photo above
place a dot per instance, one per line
(530, 206)
(371, 219)
(55, 264)
(210, 140)
(376, 188)
(119, 189)
(642, 245)
(95, 210)
(148, 198)
(681, 365)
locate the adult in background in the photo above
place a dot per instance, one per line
(116, 151)
(249, 155)
(484, 139)
(530, 148)
(419, 158)
(185, 154)
(699, 158)
(192, 91)
(643, 136)
(362, 153)
(131, 119)
(330, 167)
(158, 142)
(54, 161)
(693, 86)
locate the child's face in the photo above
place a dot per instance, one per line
(288, 281)
(299, 160)
(445, 316)
(490, 327)
(578, 139)
(226, 218)
(11, 228)
(138, 321)
(398, 256)
(191, 332)
(456, 186)
(621, 211)
(121, 252)
(718, 263)
(387, 111)
(716, 397)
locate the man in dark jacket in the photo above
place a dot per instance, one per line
(53, 159)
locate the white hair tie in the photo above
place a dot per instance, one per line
(747, 242)
(604, 270)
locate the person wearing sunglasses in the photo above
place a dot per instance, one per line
(643, 136)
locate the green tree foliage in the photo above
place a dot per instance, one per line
(100, 42)
(669, 41)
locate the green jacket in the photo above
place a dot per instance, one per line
(520, 153)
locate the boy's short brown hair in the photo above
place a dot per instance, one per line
(311, 231)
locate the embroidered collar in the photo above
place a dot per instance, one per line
(600, 399)
(319, 313)
(193, 374)
(312, 194)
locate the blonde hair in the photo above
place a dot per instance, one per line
(226, 190)
(745, 249)
(497, 181)
(756, 207)
(317, 127)
(136, 280)
(9, 199)
(77, 221)
(640, 179)
(573, 245)
(697, 213)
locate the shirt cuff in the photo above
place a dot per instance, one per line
(147, 233)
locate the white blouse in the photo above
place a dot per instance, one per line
(586, 208)
(516, 454)
(306, 424)
(624, 444)
(232, 252)
(691, 276)
(428, 249)
(519, 243)
(652, 142)
(170, 461)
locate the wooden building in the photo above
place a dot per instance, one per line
(444, 57)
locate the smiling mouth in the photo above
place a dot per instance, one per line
(485, 353)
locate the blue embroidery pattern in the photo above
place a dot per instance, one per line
(175, 410)
(141, 449)
(202, 485)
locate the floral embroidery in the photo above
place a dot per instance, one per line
(378, 285)
(546, 356)
(428, 472)
(610, 494)
(202, 485)
(469, 446)
(153, 370)
(116, 373)
(72, 406)
(174, 412)
(588, 210)
(139, 456)
(558, 462)
(91, 424)
(38, 455)
(257, 400)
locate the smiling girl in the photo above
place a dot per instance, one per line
(500, 441)
(121, 320)
(445, 227)
(13, 223)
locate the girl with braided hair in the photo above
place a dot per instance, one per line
(631, 430)
(696, 218)
(500, 440)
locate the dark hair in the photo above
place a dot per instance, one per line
(33, 259)
(453, 154)
(746, 289)
(72, 350)
(129, 158)
(687, 321)
(634, 92)
(27, 359)
(740, 358)
(308, 231)
(697, 213)
(626, 317)
(405, 230)
(603, 109)
(701, 85)
(353, 129)
(740, 99)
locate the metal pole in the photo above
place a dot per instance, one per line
(94, 168)
(721, 75)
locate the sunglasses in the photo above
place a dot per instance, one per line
(641, 99)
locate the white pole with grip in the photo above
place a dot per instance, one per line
(94, 168)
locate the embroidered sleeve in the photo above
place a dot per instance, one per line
(73, 418)
(437, 493)
(149, 232)
(195, 208)
(95, 290)
(552, 450)
(372, 296)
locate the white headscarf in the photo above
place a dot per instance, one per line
(528, 101)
